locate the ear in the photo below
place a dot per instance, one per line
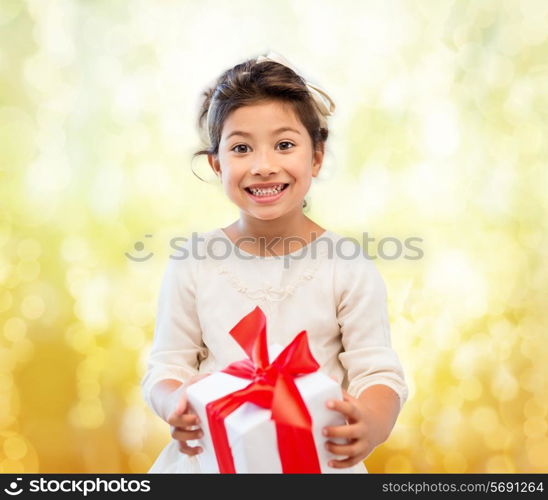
(214, 163)
(317, 160)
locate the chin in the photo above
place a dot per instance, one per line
(268, 216)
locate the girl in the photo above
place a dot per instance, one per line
(266, 129)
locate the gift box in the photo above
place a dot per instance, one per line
(262, 416)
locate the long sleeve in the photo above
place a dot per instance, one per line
(363, 320)
(177, 347)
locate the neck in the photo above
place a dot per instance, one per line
(293, 223)
(278, 234)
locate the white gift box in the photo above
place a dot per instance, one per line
(251, 433)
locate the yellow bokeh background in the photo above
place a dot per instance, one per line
(440, 133)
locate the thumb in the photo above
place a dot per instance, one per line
(181, 405)
(347, 397)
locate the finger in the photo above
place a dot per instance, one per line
(186, 434)
(348, 397)
(348, 462)
(349, 431)
(189, 450)
(353, 401)
(347, 408)
(185, 420)
(182, 405)
(351, 449)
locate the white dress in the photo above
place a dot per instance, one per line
(328, 288)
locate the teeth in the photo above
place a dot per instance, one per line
(267, 191)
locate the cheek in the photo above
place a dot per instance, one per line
(305, 185)
(231, 181)
(302, 173)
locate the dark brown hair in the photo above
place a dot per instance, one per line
(251, 82)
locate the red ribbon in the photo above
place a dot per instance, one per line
(272, 387)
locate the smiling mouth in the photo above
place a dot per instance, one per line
(271, 191)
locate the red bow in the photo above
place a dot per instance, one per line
(273, 387)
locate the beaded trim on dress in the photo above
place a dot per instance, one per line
(267, 292)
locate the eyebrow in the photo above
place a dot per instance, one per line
(274, 132)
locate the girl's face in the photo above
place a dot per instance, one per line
(265, 161)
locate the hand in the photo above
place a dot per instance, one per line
(184, 423)
(357, 433)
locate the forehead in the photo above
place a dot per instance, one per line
(263, 115)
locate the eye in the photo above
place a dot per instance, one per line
(287, 142)
(239, 146)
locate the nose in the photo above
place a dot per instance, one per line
(264, 165)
